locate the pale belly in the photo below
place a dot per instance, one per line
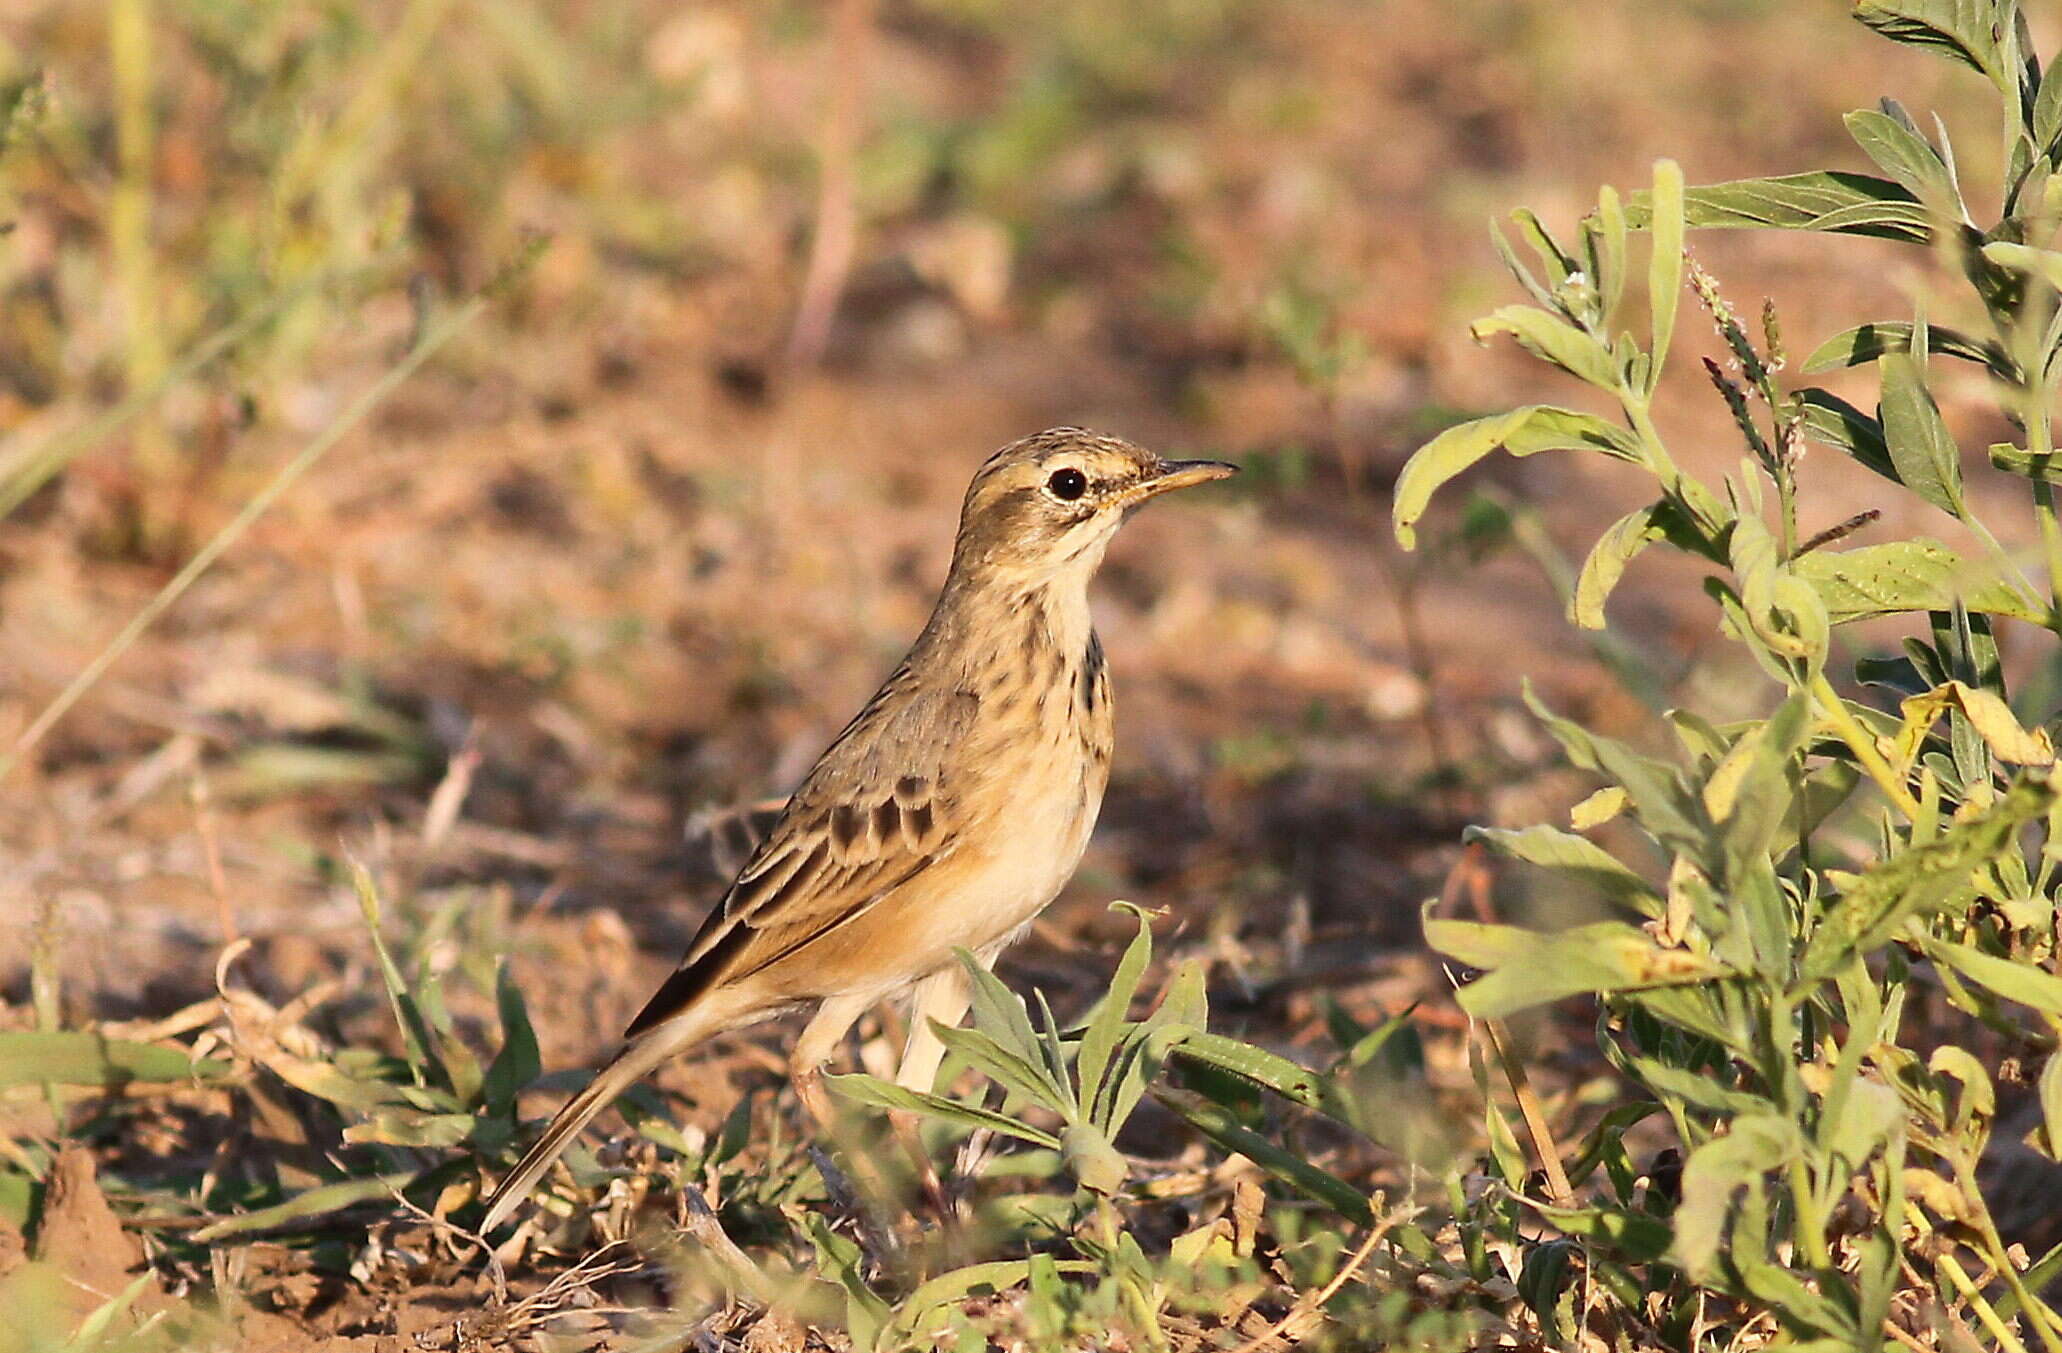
(990, 887)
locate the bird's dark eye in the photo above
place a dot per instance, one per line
(1067, 485)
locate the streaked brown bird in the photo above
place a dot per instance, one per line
(949, 812)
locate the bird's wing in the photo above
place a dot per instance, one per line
(875, 812)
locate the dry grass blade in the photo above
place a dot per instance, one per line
(233, 531)
(1561, 1192)
(837, 202)
(1470, 875)
(705, 1230)
(35, 468)
(1302, 1317)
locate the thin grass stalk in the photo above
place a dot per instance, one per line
(36, 468)
(837, 200)
(128, 228)
(434, 338)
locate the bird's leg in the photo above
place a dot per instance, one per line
(809, 1089)
(944, 997)
(805, 1067)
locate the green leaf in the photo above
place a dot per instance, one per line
(1867, 1117)
(1918, 881)
(1904, 155)
(1868, 342)
(1965, 30)
(1270, 1071)
(1617, 547)
(320, 1201)
(1636, 1236)
(518, 1062)
(1665, 221)
(1553, 339)
(1521, 432)
(1847, 204)
(336, 1082)
(842, 1261)
(1693, 1008)
(1778, 1289)
(1697, 1088)
(999, 1012)
(1749, 791)
(1755, 1145)
(1532, 285)
(1002, 1022)
(1907, 575)
(1664, 804)
(1605, 237)
(864, 1089)
(402, 1127)
(2051, 1104)
(1782, 612)
(2016, 460)
(950, 1289)
(18, 1197)
(1107, 1026)
(2047, 107)
(1978, 1100)
(645, 1112)
(85, 1058)
(1006, 1068)
(1528, 968)
(1182, 1014)
(1575, 858)
(95, 1325)
(415, 1033)
(1832, 421)
(461, 1069)
(1928, 461)
(2042, 263)
(2015, 981)
(1218, 1124)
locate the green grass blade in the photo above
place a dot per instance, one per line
(316, 1202)
(36, 468)
(1100, 1039)
(1665, 269)
(1216, 1123)
(78, 1058)
(865, 1089)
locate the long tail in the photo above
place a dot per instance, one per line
(630, 1064)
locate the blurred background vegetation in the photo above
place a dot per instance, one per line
(631, 546)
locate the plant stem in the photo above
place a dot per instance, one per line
(129, 203)
(837, 197)
(2051, 544)
(1862, 745)
(1639, 413)
(1560, 1192)
(1966, 1286)
(2029, 593)
(1142, 1303)
(2031, 1307)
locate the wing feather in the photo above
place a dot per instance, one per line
(874, 813)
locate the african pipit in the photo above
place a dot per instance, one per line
(945, 816)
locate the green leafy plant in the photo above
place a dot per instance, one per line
(1755, 983)
(1070, 1093)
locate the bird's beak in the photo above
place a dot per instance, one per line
(1179, 474)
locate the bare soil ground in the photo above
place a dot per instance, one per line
(621, 568)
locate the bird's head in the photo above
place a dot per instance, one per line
(1051, 501)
